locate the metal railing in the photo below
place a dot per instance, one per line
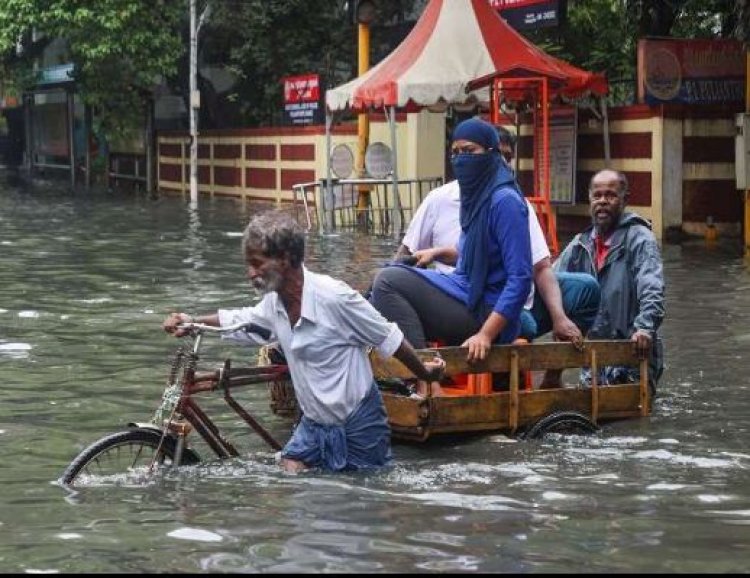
(127, 167)
(339, 207)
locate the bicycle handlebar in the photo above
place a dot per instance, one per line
(246, 327)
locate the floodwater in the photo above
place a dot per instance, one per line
(85, 281)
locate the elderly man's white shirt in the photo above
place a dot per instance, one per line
(326, 351)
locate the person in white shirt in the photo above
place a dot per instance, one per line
(324, 328)
(434, 229)
(563, 303)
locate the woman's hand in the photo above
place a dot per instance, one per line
(479, 344)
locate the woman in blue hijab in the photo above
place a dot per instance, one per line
(480, 302)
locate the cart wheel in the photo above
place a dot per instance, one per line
(561, 422)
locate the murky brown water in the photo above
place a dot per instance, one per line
(85, 283)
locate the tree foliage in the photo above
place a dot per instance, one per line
(602, 35)
(261, 41)
(119, 47)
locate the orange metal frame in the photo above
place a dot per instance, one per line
(535, 91)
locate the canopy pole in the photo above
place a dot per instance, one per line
(363, 125)
(326, 206)
(397, 213)
(605, 130)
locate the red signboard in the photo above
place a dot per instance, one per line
(8, 101)
(302, 104)
(694, 71)
(301, 88)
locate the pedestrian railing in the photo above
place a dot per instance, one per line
(364, 203)
(127, 168)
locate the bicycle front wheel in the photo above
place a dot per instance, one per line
(123, 453)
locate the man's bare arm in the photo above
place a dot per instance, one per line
(546, 283)
(427, 371)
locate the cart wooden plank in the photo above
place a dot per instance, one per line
(517, 409)
(513, 410)
(536, 356)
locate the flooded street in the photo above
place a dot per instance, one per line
(85, 281)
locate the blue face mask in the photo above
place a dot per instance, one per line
(473, 171)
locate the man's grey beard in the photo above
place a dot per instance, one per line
(267, 285)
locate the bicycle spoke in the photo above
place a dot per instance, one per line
(140, 449)
(123, 458)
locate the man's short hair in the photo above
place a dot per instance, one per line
(275, 234)
(622, 180)
(505, 136)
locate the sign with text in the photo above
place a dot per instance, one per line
(302, 104)
(526, 14)
(563, 125)
(691, 71)
(378, 160)
(342, 161)
(55, 74)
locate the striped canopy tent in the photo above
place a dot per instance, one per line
(453, 43)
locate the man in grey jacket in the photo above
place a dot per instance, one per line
(620, 250)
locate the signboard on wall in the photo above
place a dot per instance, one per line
(378, 160)
(529, 14)
(302, 103)
(563, 124)
(691, 71)
(342, 161)
(55, 74)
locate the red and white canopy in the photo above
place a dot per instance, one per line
(453, 43)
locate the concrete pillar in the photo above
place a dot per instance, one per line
(672, 174)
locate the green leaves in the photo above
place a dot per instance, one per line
(121, 48)
(118, 47)
(274, 38)
(602, 35)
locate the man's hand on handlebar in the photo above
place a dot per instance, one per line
(181, 324)
(173, 321)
